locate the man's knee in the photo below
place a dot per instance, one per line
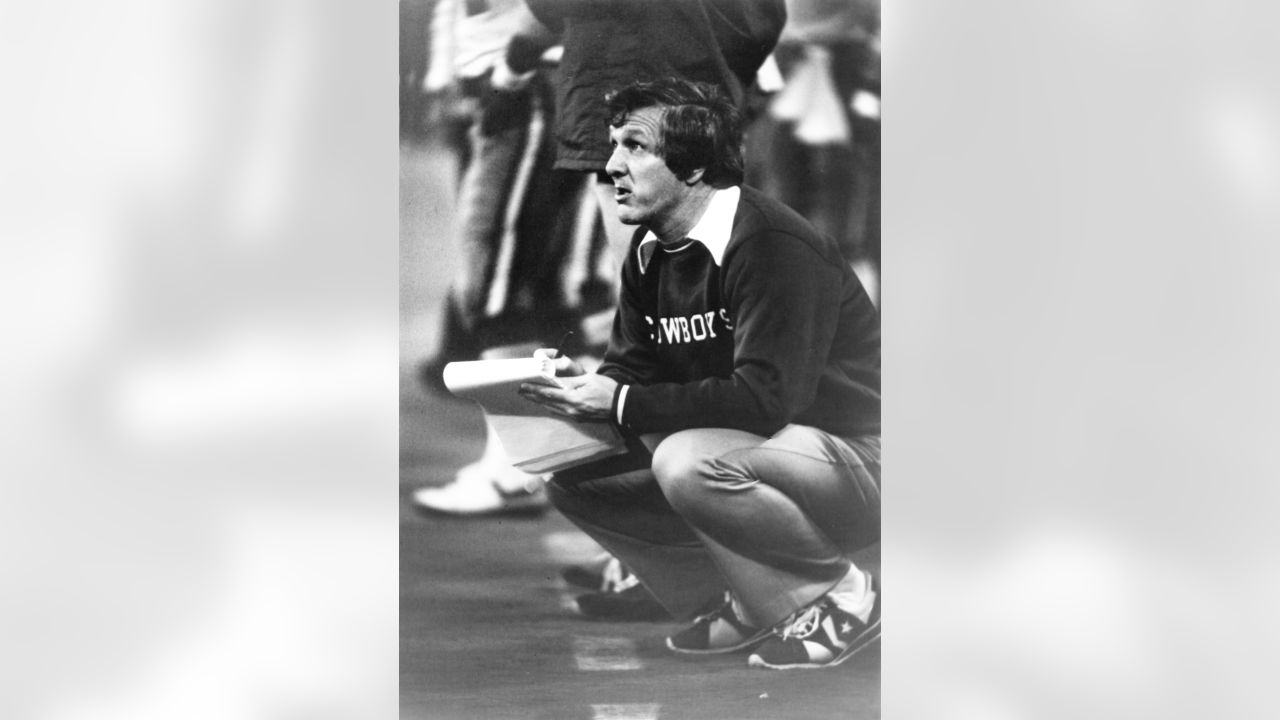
(674, 463)
(688, 469)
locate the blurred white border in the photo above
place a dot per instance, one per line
(199, 205)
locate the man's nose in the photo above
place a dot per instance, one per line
(615, 168)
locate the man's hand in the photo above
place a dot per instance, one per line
(585, 398)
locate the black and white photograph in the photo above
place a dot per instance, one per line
(640, 382)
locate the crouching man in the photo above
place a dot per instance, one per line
(745, 342)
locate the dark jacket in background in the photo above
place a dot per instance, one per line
(610, 43)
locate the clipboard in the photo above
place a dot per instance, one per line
(536, 439)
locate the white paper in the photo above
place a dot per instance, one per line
(536, 439)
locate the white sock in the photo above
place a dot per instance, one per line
(853, 594)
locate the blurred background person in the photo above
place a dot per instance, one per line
(816, 147)
(517, 222)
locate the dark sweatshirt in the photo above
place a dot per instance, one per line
(780, 331)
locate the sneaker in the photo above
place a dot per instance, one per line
(488, 486)
(821, 635)
(719, 631)
(481, 499)
(604, 574)
(632, 604)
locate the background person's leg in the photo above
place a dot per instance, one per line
(483, 199)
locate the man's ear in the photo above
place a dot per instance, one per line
(695, 176)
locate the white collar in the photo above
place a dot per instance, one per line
(712, 229)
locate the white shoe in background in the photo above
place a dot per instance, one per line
(488, 486)
(481, 489)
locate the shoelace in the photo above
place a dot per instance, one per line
(804, 623)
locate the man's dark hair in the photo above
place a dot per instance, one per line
(700, 127)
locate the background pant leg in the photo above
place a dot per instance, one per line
(779, 515)
(482, 205)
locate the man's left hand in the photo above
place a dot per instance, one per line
(585, 398)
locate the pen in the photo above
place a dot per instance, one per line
(560, 348)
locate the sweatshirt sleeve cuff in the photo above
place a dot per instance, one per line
(619, 403)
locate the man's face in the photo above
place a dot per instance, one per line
(644, 187)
